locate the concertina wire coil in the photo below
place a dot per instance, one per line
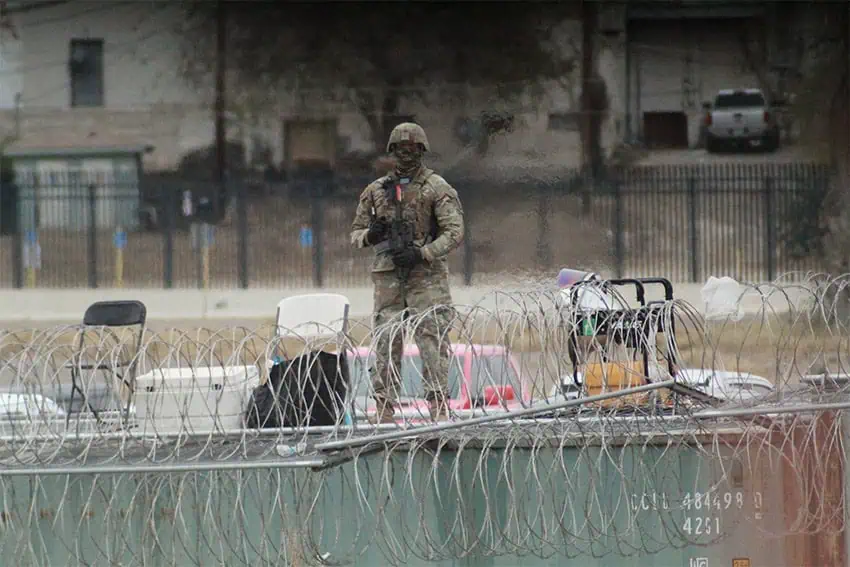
(541, 475)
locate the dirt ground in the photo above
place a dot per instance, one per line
(774, 348)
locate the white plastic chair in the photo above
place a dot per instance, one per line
(312, 316)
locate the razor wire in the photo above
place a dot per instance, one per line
(130, 468)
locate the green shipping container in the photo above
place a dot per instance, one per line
(639, 505)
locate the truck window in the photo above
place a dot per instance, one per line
(492, 370)
(739, 100)
(411, 375)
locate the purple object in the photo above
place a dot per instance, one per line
(568, 277)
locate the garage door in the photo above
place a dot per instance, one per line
(665, 130)
(61, 200)
(116, 190)
(658, 54)
(660, 58)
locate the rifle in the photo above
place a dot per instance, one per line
(400, 232)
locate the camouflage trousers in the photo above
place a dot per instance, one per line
(426, 305)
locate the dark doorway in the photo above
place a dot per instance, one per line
(665, 130)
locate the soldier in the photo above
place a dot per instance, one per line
(410, 280)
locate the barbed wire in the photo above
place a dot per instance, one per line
(584, 422)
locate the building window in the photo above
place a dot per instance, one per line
(86, 72)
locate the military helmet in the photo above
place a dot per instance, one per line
(408, 132)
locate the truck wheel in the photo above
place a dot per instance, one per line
(711, 145)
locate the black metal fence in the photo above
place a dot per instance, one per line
(750, 221)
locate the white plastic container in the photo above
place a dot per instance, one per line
(193, 400)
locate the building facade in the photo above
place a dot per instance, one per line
(109, 74)
(99, 74)
(677, 58)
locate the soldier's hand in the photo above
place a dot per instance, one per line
(408, 257)
(377, 231)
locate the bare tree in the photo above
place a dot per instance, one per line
(811, 78)
(373, 56)
(820, 104)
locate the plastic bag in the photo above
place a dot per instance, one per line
(722, 299)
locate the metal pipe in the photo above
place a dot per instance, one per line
(845, 424)
(275, 435)
(170, 468)
(744, 412)
(350, 443)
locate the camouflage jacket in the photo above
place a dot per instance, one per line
(427, 200)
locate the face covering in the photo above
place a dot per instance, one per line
(407, 160)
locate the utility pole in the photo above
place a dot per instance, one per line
(221, 148)
(221, 103)
(220, 197)
(588, 33)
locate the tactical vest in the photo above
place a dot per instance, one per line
(425, 230)
(388, 187)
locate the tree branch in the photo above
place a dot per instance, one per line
(381, 48)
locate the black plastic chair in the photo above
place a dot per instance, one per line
(108, 314)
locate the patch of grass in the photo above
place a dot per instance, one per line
(776, 348)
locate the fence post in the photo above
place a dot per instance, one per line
(169, 202)
(619, 248)
(203, 233)
(770, 229)
(693, 232)
(92, 235)
(18, 243)
(317, 221)
(468, 260)
(242, 228)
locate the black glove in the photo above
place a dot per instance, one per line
(407, 258)
(377, 231)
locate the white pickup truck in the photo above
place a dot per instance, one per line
(740, 116)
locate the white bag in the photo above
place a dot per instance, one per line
(722, 299)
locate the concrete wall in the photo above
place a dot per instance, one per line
(146, 101)
(141, 40)
(172, 129)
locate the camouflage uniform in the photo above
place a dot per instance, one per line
(434, 209)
